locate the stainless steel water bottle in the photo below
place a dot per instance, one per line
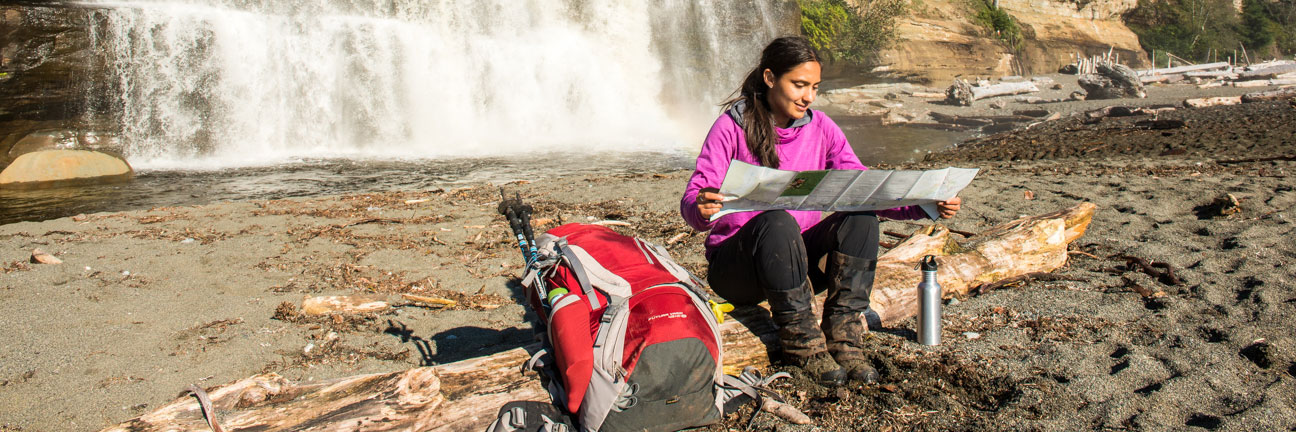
(929, 303)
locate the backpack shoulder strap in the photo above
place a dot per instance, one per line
(530, 416)
(579, 270)
(608, 383)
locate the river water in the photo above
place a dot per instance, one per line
(262, 99)
(318, 177)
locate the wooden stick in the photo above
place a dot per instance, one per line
(1084, 253)
(208, 412)
(1181, 60)
(430, 300)
(368, 221)
(895, 234)
(1150, 268)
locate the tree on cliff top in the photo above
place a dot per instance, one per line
(999, 21)
(1269, 26)
(1194, 28)
(842, 31)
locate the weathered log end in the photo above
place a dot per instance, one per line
(1076, 220)
(959, 93)
(1112, 81)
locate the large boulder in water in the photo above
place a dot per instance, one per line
(48, 167)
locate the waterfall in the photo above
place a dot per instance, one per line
(218, 83)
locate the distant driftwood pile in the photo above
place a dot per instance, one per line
(465, 395)
(1099, 77)
(1271, 73)
(1109, 80)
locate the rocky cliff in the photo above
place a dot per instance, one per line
(940, 39)
(52, 80)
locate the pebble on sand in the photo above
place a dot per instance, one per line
(40, 257)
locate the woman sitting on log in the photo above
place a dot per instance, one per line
(755, 256)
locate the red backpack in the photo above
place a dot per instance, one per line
(630, 342)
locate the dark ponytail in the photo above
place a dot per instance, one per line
(780, 56)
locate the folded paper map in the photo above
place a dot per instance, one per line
(749, 187)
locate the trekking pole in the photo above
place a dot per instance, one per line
(519, 217)
(508, 208)
(524, 213)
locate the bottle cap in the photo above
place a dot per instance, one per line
(554, 293)
(928, 263)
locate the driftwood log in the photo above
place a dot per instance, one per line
(1112, 81)
(1184, 69)
(1201, 70)
(963, 93)
(964, 121)
(1266, 83)
(1268, 72)
(465, 395)
(1212, 101)
(1211, 74)
(1283, 93)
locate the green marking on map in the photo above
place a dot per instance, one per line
(803, 183)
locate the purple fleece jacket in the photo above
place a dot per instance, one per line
(816, 145)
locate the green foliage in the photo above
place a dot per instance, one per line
(1269, 24)
(842, 32)
(1000, 22)
(1192, 29)
(1257, 27)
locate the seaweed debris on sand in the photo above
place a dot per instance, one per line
(1167, 315)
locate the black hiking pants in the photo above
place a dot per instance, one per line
(771, 253)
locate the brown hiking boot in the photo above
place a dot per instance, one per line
(803, 342)
(822, 369)
(850, 282)
(845, 335)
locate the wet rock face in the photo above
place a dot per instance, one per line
(52, 81)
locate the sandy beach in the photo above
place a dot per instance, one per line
(146, 303)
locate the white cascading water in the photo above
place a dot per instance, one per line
(218, 83)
